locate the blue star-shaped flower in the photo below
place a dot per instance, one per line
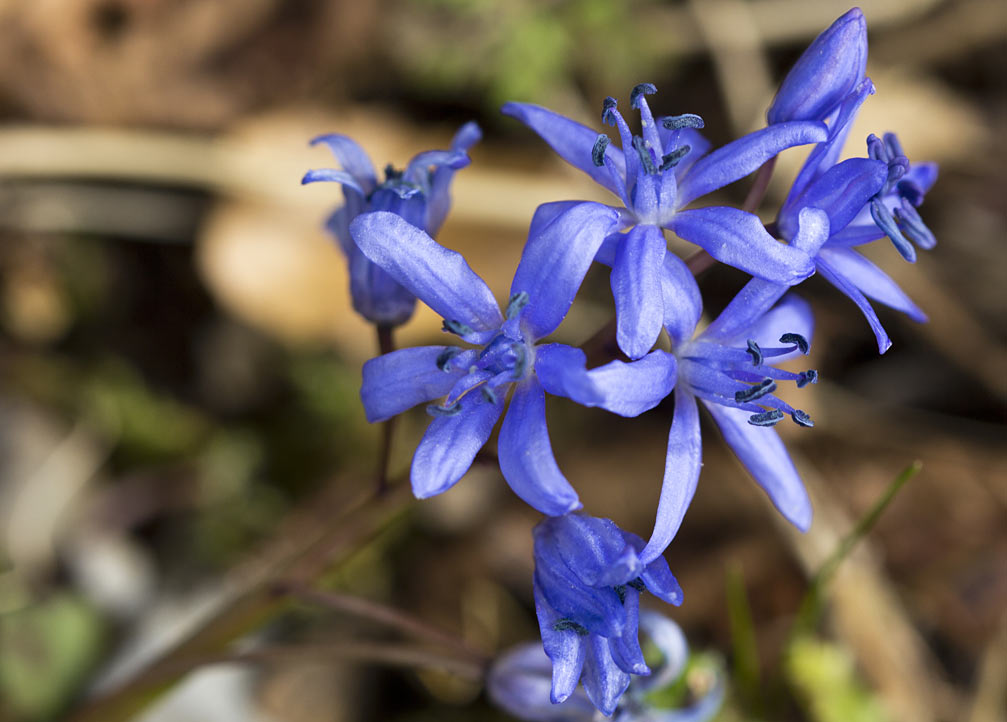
(421, 194)
(505, 353)
(656, 176)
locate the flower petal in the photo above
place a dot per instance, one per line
(603, 681)
(526, 457)
(401, 379)
(683, 304)
(871, 280)
(451, 443)
(439, 201)
(791, 315)
(681, 474)
(762, 452)
(837, 279)
(439, 277)
(626, 389)
(520, 683)
(743, 156)
(571, 140)
(740, 240)
(672, 139)
(843, 192)
(351, 157)
(592, 548)
(636, 287)
(555, 261)
(334, 176)
(565, 648)
(625, 648)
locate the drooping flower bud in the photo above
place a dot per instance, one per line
(826, 72)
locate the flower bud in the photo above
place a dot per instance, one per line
(826, 72)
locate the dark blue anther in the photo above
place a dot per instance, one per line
(910, 191)
(608, 110)
(801, 418)
(517, 302)
(798, 340)
(391, 174)
(876, 149)
(488, 394)
(807, 377)
(644, 153)
(670, 160)
(755, 351)
(886, 222)
(456, 327)
(437, 410)
(686, 120)
(893, 145)
(445, 356)
(566, 625)
(639, 91)
(638, 585)
(598, 152)
(621, 591)
(766, 418)
(913, 226)
(764, 387)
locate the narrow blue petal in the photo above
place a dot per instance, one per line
(451, 443)
(439, 277)
(597, 610)
(636, 287)
(565, 648)
(625, 648)
(571, 140)
(335, 176)
(762, 452)
(660, 582)
(547, 213)
(683, 304)
(520, 683)
(747, 307)
(351, 157)
(857, 235)
(627, 389)
(338, 224)
(439, 201)
(681, 474)
(399, 380)
(825, 73)
(526, 457)
(871, 280)
(670, 641)
(603, 681)
(838, 280)
(923, 175)
(555, 261)
(745, 155)
(739, 239)
(377, 296)
(418, 170)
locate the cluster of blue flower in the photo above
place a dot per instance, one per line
(589, 573)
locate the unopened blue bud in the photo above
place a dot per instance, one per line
(828, 70)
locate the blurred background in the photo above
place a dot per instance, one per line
(180, 430)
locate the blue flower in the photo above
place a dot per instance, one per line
(828, 70)
(504, 353)
(655, 176)
(730, 367)
(520, 682)
(420, 194)
(587, 585)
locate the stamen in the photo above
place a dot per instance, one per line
(807, 377)
(798, 340)
(608, 110)
(686, 120)
(910, 191)
(456, 327)
(639, 91)
(893, 144)
(566, 625)
(488, 394)
(766, 418)
(886, 222)
(621, 591)
(755, 351)
(912, 225)
(876, 149)
(391, 173)
(638, 585)
(644, 153)
(764, 387)
(521, 363)
(670, 160)
(801, 418)
(445, 356)
(517, 302)
(436, 410)
(598, 152)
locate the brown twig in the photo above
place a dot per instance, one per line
(386, 344)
